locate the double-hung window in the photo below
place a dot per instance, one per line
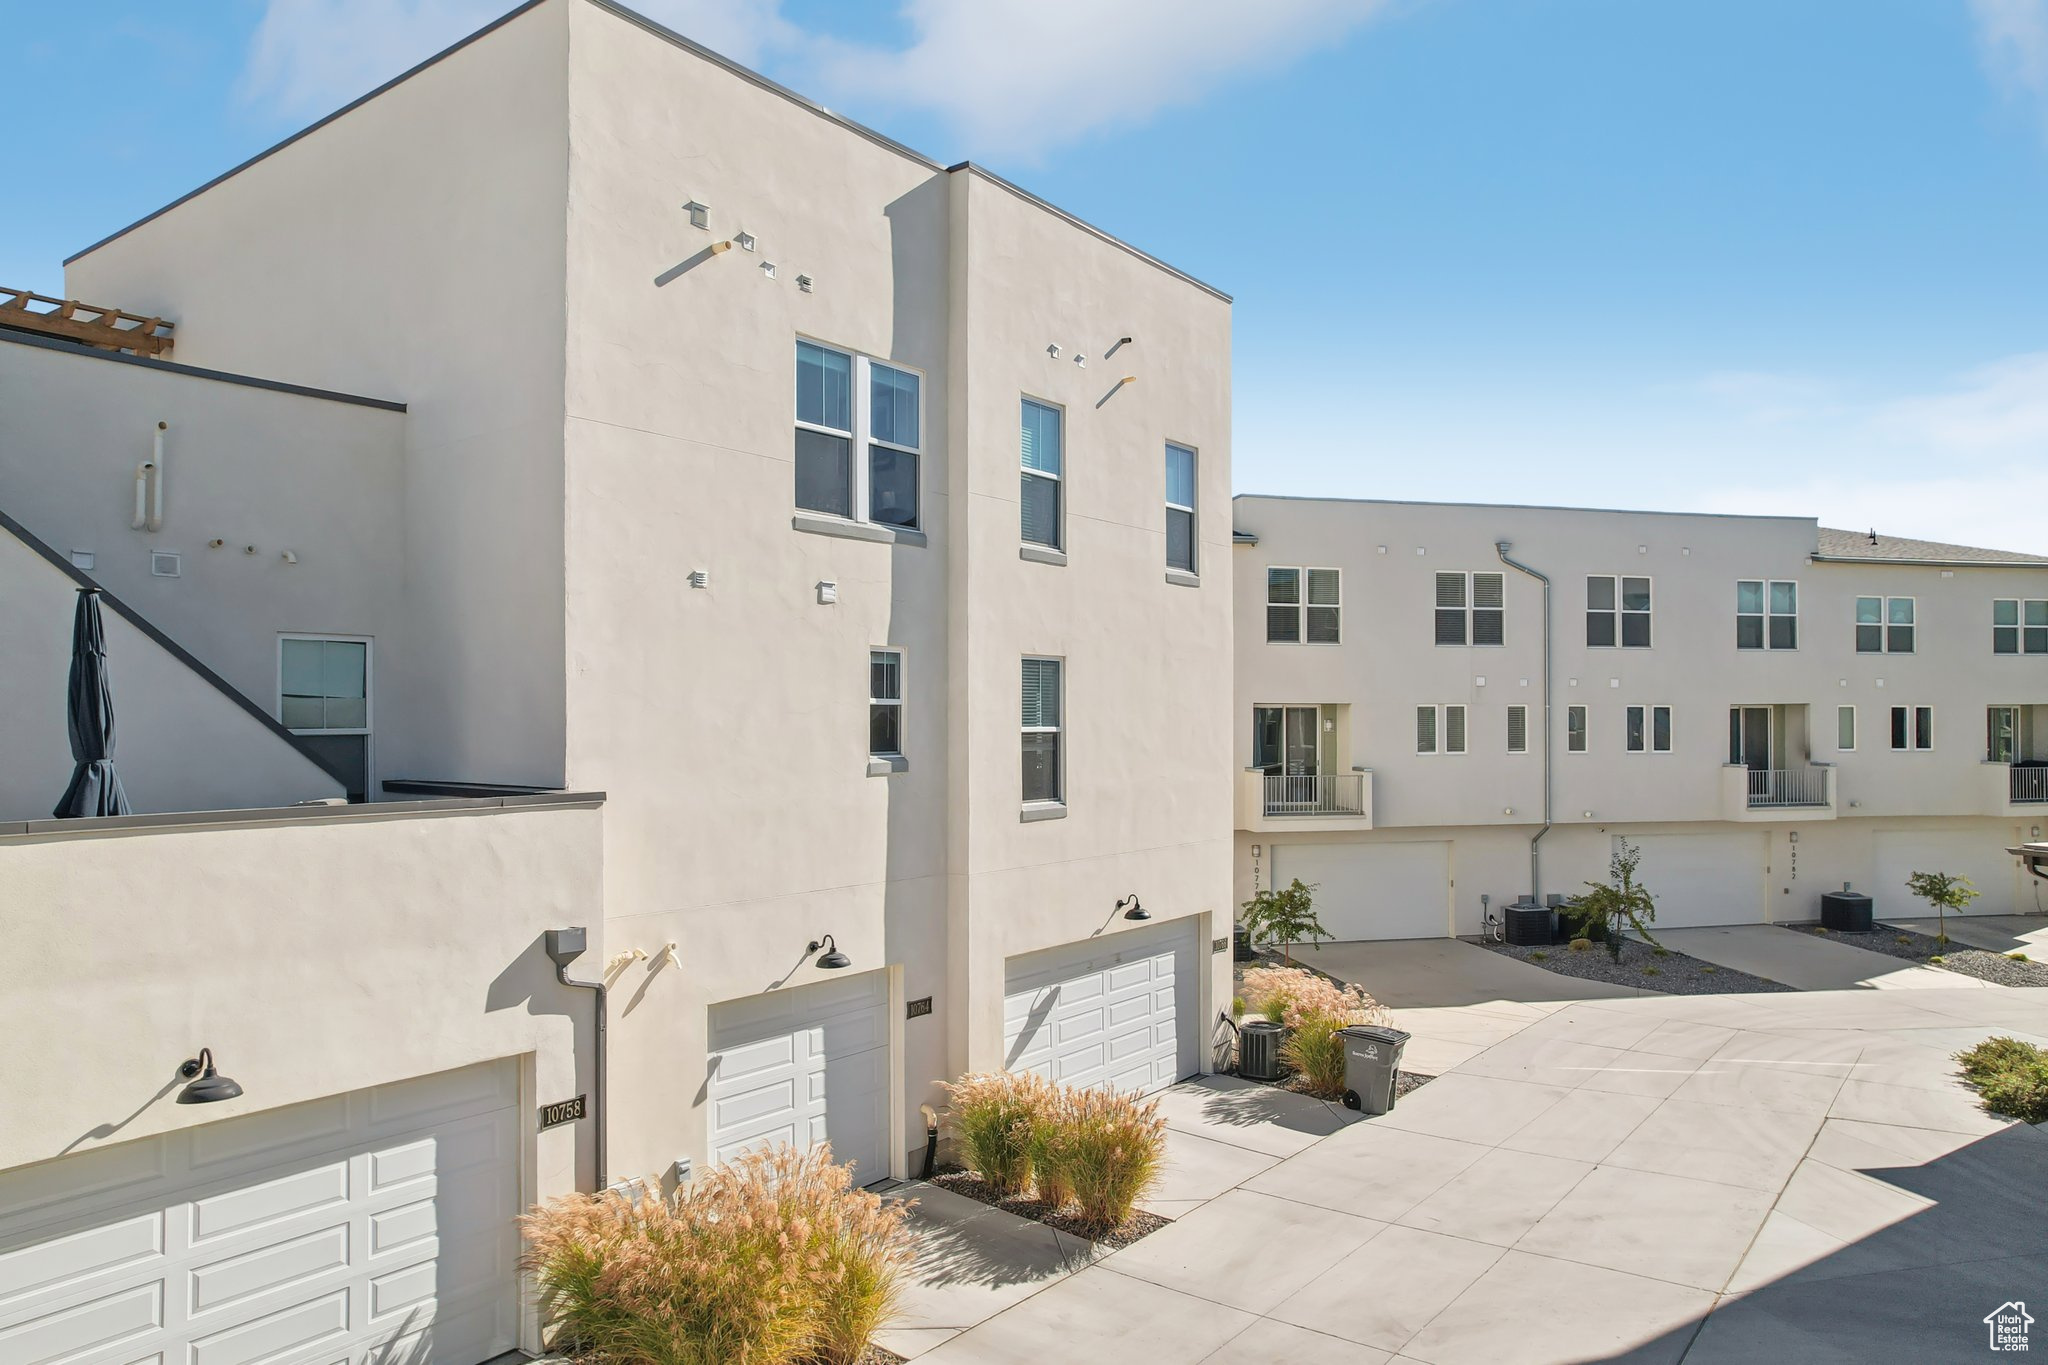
(1575, 729)
(1470, 608)
(324, 697)
(1044, 455)
(1649, 729)
(1884, 625)
(1304, 605)
(885, 703)
(1043, 707)
(1440, 729)
(1180, 508)
(1912, 727)
(2001, 729)
(1617, 611)
(1766, 614)
(1518, 729)
(2019, 625)
(844, 400)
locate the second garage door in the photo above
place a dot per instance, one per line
(1118, 1012)
(1373, 890)
(1701, 879)
(805, 1066)
(1980, 856)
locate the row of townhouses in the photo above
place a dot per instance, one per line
(645, 618)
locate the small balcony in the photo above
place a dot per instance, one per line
(2014, 788)
(1324, 801)
(1804, 793)
(2027, 783)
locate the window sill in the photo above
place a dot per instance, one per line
(822, 524)
(1042, 810)
(1181, 578)
(1040, 554)
(883, 765)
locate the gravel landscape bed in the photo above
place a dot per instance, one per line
(1139, 1224)
(1644, 967)
(1893, 941)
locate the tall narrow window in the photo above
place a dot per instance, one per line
(1575, 729)
(1766, 614)
(893, 429)
(2019, 626)
(885, 703)
(1884, 625)
(2001, 727)
(1044, 468)
(324, 697)
(1454, 729)
(1638, 739)
(1845, 728)
(1649, 729)
(824, 430)
(1180, 508)
(1425, 729)
(1042, 730)
(1635, 613)
(1451, 607)
(1325, 606)
(1660, 729)
(837, 395)
(1489, 609)
(1912, 727)
(1603, 611)
(1518, 729)
(1283, 606)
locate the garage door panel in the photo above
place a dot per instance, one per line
(234, 1280)
(1102, 1012)
(297, 1328)
(61, 1265)
(1373, 890)
(317, 1125)
(239, 1210)
(71, 1332)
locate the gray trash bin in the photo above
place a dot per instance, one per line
(1258, 1050)
(1372, 1058)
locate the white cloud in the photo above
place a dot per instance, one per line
(2002, 407)
(2013, 36)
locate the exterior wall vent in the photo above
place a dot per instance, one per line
(164, 564)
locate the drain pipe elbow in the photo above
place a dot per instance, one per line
(1501, 548)
(565, 946)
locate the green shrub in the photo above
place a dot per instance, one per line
(1316, 1052)
(996, 1115)
(1938, 960)
(1539, 956)
(2011, 1076)
(772, 1259)
(1105, 1150)
(2018, 957)
(1580, 945)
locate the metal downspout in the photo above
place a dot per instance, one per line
(565, 946)
(1501, 547)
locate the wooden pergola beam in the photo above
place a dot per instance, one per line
(109, 329)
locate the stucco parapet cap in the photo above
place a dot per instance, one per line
(311, 813)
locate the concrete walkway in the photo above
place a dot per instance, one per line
(1993, 933)
(1705, 1179)
(1808, 961)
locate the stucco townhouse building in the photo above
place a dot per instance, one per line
(581, 486)
(1442, 706)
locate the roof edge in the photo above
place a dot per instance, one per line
(1820, 558)
(194, 371)
(1528, 507)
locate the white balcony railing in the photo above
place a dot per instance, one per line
(2029, 785)
(1318, 794)
(1788, 787)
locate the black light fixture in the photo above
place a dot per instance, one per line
(1136, 911)
(833, 959)
(210, 1086)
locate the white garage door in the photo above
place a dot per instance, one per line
(1121, 1011)
(1980, 856)
(369, 1227)
(805, 1066)
(1373, 890)
(1701, 879)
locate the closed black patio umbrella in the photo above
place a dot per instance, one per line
(95, 787)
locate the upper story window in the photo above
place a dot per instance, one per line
(1617, 611)
(841, 398)
(1649, 729)
(1575, 729)
(1845, 728)
(885, 703)
(1042, 729)
(1884, 625)
(2001, 733)
(1912, 727)
(1044, 454)
(1180, 508)
(1304, 605)
(1470, 608)
(1766, 614)
(324, 695)
(2019, 625)
(1440, 729)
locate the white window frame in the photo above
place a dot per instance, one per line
(1441, 718)
(862, 438)
(2014, 713)
(1058, 800)
(1650, 710)
(1885, 623)
(1194, 564)
(1619, 614)
(1523, 707)
(898, 701)
(1059, 518)
(1585, 715)
(1302, 606)
(2019, 628)
(368, 729)
(1470, 610)
(1767, 616)
(1913, 732)
(1855, 729)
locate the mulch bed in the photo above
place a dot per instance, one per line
(1404, 1083)
(1139, 1224)
(1911, 946)
(1641, 966)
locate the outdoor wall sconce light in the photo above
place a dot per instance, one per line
(209, 1085)
(745, 241)
(832, 960)
(1136, 910)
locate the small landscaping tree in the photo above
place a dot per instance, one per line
(1285, 917)
(1944, 893)
(1619, 900)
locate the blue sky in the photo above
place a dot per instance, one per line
(1734, 255)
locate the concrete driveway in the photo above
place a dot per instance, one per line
(1706, 1178)
(1993, 933)
(1808, 961)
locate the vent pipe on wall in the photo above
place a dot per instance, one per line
(156, 497)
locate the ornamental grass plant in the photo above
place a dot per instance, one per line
(996, 1117)
(1287, 995)
(1102, 1152)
